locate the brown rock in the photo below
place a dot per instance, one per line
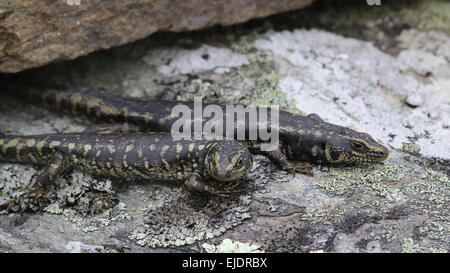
(36, 32)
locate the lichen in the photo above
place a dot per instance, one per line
(228, 246)
(183, 219)
(441, 178)
(411, 147)
(266, 91)
(424, 14)
(409, 246)
(375, 177)
(431, 14)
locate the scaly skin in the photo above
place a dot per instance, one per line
(302, 139)
(199, 165)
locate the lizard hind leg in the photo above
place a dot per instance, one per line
(35, 196)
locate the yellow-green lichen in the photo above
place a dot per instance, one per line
(437, 250)
(430, 14)
(323, 217)
(441, 178)
(427, 193)
(408, 246)
(268, 92)
(228, 246)
(375, 177)
(54, 208)
(436, 230)
(244, 46)
(424, 14)
(411, 147)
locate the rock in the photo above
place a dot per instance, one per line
(414, 100)
(400, 205)
(34, 33)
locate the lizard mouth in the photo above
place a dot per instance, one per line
(222, 176)
(370, 156)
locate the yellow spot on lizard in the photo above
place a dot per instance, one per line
(191, 147)
(71, 146)
(40, 145)
(31, 142)
(179, 147)
(129, 148)
(54, 144)
(11, 143)
(87, 148)
(164, 149)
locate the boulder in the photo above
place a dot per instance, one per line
(34, 33)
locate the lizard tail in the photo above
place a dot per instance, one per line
(29, 92)
(69, 100)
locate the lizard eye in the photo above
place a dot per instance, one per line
(357, 146)
(239, 163)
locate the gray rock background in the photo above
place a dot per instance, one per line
(379, 69)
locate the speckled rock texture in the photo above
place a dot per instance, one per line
(382, 69)
(34, 33)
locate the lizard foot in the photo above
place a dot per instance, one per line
(298, 167)
(33, 199)
(225, 189)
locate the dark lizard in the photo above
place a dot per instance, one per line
(213, 167)
(302, 139)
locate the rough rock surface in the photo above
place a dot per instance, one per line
(34, 33)
(384, 70)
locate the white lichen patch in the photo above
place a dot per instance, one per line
(184, 61)
(352, 83)
(228, 246)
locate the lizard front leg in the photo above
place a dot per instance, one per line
(281, 161)
(35, 194)
(195, 184)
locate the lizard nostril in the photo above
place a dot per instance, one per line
(221, 174)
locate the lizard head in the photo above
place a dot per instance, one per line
(324, 142)
(228, 160)
(353, 147)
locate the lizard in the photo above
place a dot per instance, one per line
(206, 166)
(302, 139)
